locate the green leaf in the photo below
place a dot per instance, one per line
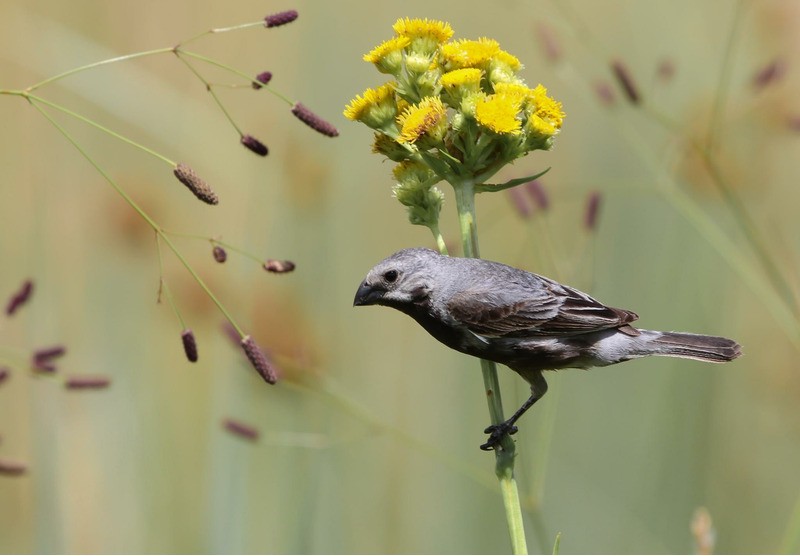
(492, 187)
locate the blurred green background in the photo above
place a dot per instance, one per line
(370, 443)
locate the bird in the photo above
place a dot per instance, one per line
(519, 319)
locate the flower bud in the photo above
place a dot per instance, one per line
(195, 183)
(258, 359)
(87, 383)
(240, 429)
(19, 298)
(254, 145)
(220, 255)
(278, 267)
(189, 345)
(313, 121)
(262, 79)
(12, 468)
(280, 18)
(625, 81)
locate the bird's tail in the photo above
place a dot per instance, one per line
(693, 346)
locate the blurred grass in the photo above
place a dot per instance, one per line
(147, 467)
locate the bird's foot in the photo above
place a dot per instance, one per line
(496, 434)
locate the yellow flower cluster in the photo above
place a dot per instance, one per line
(457, 106)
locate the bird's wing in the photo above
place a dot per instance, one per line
(544, 308)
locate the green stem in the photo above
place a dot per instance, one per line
(437, 234)
(504, 455)
(96, 125)
(259, 23)
(721, 96)
(97, 64)
(207, 60)
(210, 91)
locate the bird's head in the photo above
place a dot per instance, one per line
(401, 280)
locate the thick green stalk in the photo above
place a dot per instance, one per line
(504, 455)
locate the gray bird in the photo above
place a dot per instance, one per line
(522, 320)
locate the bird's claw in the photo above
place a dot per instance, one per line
(496, 434)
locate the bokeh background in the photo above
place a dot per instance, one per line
(370, 442)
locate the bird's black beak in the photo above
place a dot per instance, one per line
(368, 295)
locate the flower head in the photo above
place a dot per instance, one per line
(425, 35)
(420, 119)
(469, 54)
(388, 56)
(376, 107)
(498, 113)
(547, 108)
(503, 67)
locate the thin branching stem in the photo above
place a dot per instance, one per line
(98, 64)
(102, 128)
(145, 216)
(259, 23)
(211, 61)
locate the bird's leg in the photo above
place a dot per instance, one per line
(498, 431)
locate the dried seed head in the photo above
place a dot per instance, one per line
(313, 121)
(12, 468)
(87, 382)
(769, 74)
(604, 93)
(240, 429)
(537, 192)
(195, 183)
(258, 359)
(19, 298)
(189, 345)
(281, 18)
(4, 374)
(278, 267)
(220, 255)
(666, 70)
(592, 211)
(46, 355)
(262, 79)
(548, 42)
(255, 145)
(44, 367)
(625, 80)
(520, 202)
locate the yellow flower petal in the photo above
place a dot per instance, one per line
(420, 118)
(509, 60)
(464, 76)
(516, 90)
(540, 127)
(374, 106)
(499, 112)
(469, 54)
(439, 31)
(386, 48)
(547, 108)
(388, 56)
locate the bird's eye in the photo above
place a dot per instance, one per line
(390, 275)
